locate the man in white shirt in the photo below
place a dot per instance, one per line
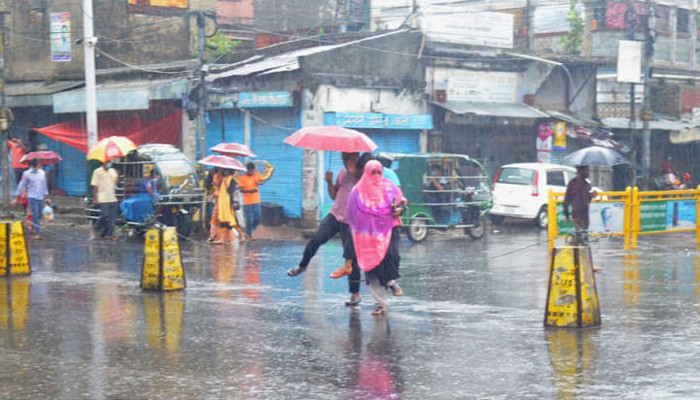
(104, 184)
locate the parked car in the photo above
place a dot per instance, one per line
(521, 190)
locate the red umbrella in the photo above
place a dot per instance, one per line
(44, 157)
(334, 138)
(233, 149)
(225, 162)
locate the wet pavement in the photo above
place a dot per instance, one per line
(470, 324)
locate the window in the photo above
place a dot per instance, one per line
(555, 178)
(683, 21)
(517, 176)
(663, 19)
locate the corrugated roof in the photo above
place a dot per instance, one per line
(284, 62)
(573, 119)
(491, 109)
(39, 88)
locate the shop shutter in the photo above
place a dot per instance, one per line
(233, 128)
(269, 128)
(72, 171)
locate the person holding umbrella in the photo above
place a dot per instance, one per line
(104, 183)
(336, 223)
(579, 196)
(33, 183)
(249, 184)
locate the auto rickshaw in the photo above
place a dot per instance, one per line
(170, 174)
(444, 191)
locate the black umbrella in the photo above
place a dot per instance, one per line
(594, 155)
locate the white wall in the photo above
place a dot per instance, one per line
(332, 99)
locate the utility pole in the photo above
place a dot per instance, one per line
(89, 43)
(4, 160)
(646, 113)
(201, 90)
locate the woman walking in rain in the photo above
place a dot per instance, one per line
(374, 211)
(223, 220)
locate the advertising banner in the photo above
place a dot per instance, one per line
(60, 37)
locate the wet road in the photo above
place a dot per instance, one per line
(469, 326)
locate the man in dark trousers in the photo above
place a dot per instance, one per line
(579, 196)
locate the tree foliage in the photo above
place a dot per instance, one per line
(572, 42)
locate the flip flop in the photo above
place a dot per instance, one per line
(340, 272)
(378, 311)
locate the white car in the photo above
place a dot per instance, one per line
(521, 190)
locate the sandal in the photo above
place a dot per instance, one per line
(341, 272)
(378, 311)
(396, 289)
(354, 301)
(294, 271)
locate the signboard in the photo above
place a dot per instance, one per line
(60, 37)
(264, 99)
(603, 217)
(158, 6)
(543, 142)
(490, 29)
(559, 136)
(667, 215)
(379, 120)
(629, 61)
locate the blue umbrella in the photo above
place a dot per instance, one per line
(595, 156)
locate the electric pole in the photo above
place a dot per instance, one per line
(646, 113)
(201, 90)
(4, 159)
(89, 43)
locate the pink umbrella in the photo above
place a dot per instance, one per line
(225, 162)
(233, 149)
(45, 157)
(333, 138)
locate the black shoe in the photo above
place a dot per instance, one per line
(354, 301)
(294, 271)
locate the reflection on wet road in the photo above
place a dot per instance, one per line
(470, 324)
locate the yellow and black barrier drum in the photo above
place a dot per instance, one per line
(572, 298)
(162, 261)
(14, 257)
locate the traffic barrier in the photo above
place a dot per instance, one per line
(631, 213)
(162, 261)
(14, 257)
(572, 298)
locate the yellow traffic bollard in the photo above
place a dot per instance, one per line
(572, 298)
(162, 262)
(14, 257)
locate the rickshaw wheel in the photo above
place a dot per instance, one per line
(477, 231)
(418, 229)
(184, 224)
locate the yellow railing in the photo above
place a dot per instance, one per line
(632, 213)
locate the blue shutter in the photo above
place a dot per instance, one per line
(269, 128)
(233, 128)
(72, 171)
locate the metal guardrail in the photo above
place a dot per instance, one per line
(631, 213)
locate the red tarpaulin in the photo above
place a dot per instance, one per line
(74, 133)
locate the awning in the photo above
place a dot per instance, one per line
(74, 132)
(122, 96)
(657, 124)
(573, 119)
(36, 94)
(489, 109)
(685, 136)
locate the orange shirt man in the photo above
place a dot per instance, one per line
(249, 184)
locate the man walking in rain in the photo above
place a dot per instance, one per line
(579, 196)
(104, 183)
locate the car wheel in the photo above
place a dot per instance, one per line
(542, 218)
(418, 229)
(497, 219)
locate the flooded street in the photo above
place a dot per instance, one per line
(470, 324)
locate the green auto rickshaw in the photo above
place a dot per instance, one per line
(444, 191)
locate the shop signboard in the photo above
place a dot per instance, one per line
(379, 120)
